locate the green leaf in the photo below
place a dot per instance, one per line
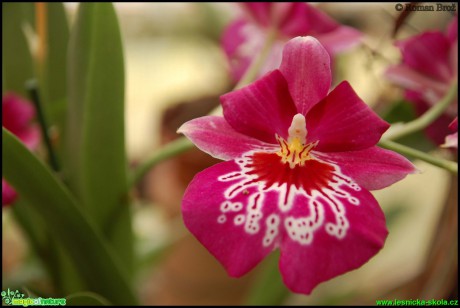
(269, 288)
(17, 69)
(17, 64)
(96, 166)
(34, 230)
(53, 81)
(67, 279)
(38, 236)
(86, 299)
(54, 204)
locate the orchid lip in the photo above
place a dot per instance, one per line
(293, 171)
(321, 184)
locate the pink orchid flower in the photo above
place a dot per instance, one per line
(16, 116)
(452, 139)
(298, 166)
(245, 37)
(428, 68)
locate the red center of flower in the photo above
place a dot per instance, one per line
(293, 164)
(293, 169)
(270, 169)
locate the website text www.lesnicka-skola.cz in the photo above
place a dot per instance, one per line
(417, 302)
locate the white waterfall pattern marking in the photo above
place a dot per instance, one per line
(299, 229)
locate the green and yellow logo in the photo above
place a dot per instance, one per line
(16, 298)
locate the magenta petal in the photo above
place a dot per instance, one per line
(451, 141)
(431, 89)
(428, 53)
(295, 21)
(453, 58)
(454, 125)
(262, 109)
(16, 115)
(333, 36)
(304, 19)
(306, 67)
(452, 30)
(30, 137)
(437, 130)
(8, 193)
(216, 222)
(273, 14)
(236, 47)
(259, 11)
(372, 168)
(216, 137)
(343, 122)
(340, 39)
(16, 112)
(304, 267)
(319, 22)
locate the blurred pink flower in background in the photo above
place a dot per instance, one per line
(451, 140)
(299, 164)
(244, 37)
(428, 68)
(17, 114)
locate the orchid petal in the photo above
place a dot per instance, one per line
(237, 48)
(319, 22)
(428, 53)
(408, 78)
(16, 115)
(30, 137)
(454, 125)
(303, 267)
(453, 58)
(343, 122)
(220, 225)
(213, 135)
(262, 109)
(260, 12)
(451, 140)
(16, 112)
(304, 19)
(452, 30)
(295, 22)
(308, 20)
(340, 39)
(373, 168)
(8, 193)
(306, 67)
(437, 130)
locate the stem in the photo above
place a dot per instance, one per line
(442, 163)
(428, 117)
(182, 144)
(171, 149)
(41, 25)
(31, 86)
